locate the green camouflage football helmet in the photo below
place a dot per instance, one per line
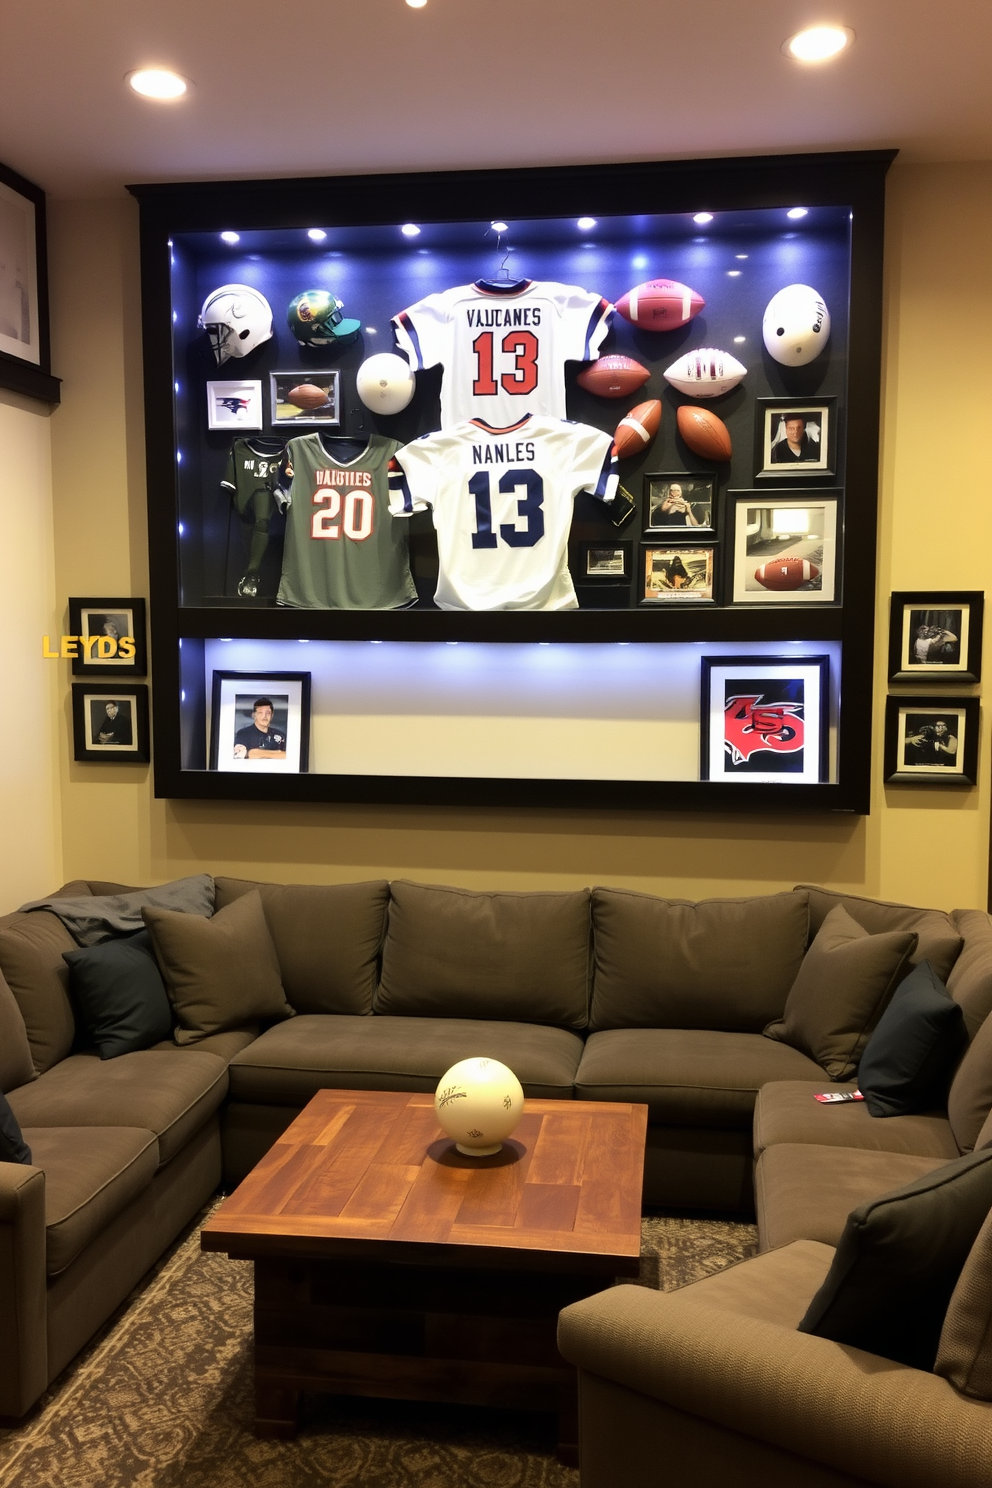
(315, 319)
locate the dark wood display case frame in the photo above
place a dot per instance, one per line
(853, 179)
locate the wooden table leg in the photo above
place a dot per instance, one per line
(277, 1410)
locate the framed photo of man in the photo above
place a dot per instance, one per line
(110, 637)
(110, 725)
(795, 438)
(260, 723)
(681, 503)
(931, 741)
(936, 634)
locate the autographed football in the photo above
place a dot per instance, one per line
(660, 305)
(786, 573)
(704, 433)
(796, 325)
(635, 432)
(307, 395)
(613, 377)
(706, 373)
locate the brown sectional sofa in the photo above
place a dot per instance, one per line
(600, 994)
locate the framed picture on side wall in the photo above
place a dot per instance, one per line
(111, 637)
(110, 724)
(25, 356)
(931, 740)
(764, 719)
(260, 723)
(936, 634)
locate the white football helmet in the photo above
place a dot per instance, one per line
(237, 319)
(796, 325)
(385, 382)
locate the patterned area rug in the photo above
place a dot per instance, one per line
(163, 1397)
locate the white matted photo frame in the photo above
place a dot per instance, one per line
(112, 637)
(318, 394)
(234, 405)
(936, 635)
(764, 719)
(25, 349)
(931, 741)
(110, 724)
(260, 723)
(682, 503)
(676, 574)
(795, 438)
(786, 548)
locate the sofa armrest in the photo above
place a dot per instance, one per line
(23, 1288)
(823, 1401)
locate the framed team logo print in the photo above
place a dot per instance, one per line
(936, 634)
(109, 636)
(110, 724)
(305, 398)
(234, 405)
(931, 741)
(679, 502)
(260, 723)
(785, 549)
(674, 574)
(764, 719)
(795, 438)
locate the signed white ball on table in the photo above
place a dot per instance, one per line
(478, 1103)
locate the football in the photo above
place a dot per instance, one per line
(796, 325)
(613, 377)
(307, 395)
(706, 373)
(704, 433)
(635, 432)
(786, 573)
(660, 305)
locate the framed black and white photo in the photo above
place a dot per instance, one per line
(111, 637)
(110, 724)
(25, 356)
(936, 634)
(260, 723)
(305, 398)
(931, 740)
(785, 548)
(676, 573)
(607, 561)
(764, 719)
(234, 405)
(795, 438)
(679, 501)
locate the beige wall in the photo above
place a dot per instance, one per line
(929, 847)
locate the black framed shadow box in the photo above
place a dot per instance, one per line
(404, 436)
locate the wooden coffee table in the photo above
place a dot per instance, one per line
(388, 1264)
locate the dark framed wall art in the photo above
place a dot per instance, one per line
(112, 639)
(110, 724)
(936, 635)
(931, 741)
(25, 352)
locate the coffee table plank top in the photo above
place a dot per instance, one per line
(373, 1166)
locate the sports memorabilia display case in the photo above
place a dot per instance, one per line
(596, 427)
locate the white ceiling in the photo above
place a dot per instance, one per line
(283, 88)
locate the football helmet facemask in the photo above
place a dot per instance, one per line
(237, 318)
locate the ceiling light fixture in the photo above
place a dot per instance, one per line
(500, 227)
(796, 212)
(158, 83)
(316, 234)
(416, 4)
(410, 230)
(702, 218)
(585, 223)
(231, 237)
(818, 43)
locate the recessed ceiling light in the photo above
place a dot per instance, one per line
(410, 230)
(416, 4)
(231, 237)
(158, 83)
(500, 226)
(796, 212)
(316, 234)
(818, 43)
(702, 218)
(739, 339)
(585, 223)
(734, 273)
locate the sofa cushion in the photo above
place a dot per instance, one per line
(328, 938)
(92, 918)
(220, 973)
(843, 986)
(120, 995)
(970, 982)
(939, 936)
(964, 1355)
(13, 1148)
(786, 1112)
(31, 947)
(16, 1066)
(969, 1099)
(898, 1262)
(168, 1092)
(453, 953)
(774, 1287)
(669, 963)
(686, 1076)
(291, 1061)
(910, 1058)
(91, 1174)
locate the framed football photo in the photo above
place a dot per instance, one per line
(785, 549)
(931, 741)
(111, 637)
(795, 438)
(305, 398)
(936, 634)
(674, 574)
(110, 725)
(260, 723)
(764, 720)
(679, 502)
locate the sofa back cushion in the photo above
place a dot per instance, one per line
(16, 1065)
(453, 953)
(31, 947)
(938, 937)
(724, 964)
(970, 983)
(969, 1100)
(328, 938)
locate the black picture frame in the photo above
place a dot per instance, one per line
(677, 573)
(605, 562)
(25, 346)
(953, 650)
(745, 690)
(231, 692)
(130, 723)
(697, 491)
(771, 414)
(819, 537)
(328, 415)
(908, 719)
(88, 619)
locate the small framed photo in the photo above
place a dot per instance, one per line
(764, 719)
(936, 634)
(23, 324)
(674, 574)
(679, 501)
(234, 405)
(795, 438)
(260, 722)
(110, 724)
(931, 740)
(305, 397)
(111, 637)
(785, 548)
(607, 561)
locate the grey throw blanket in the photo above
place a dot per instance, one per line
(96, 917)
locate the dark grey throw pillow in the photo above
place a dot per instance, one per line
(898, 1261)
(13, 1147)
(120, 995)
(910, 1058)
